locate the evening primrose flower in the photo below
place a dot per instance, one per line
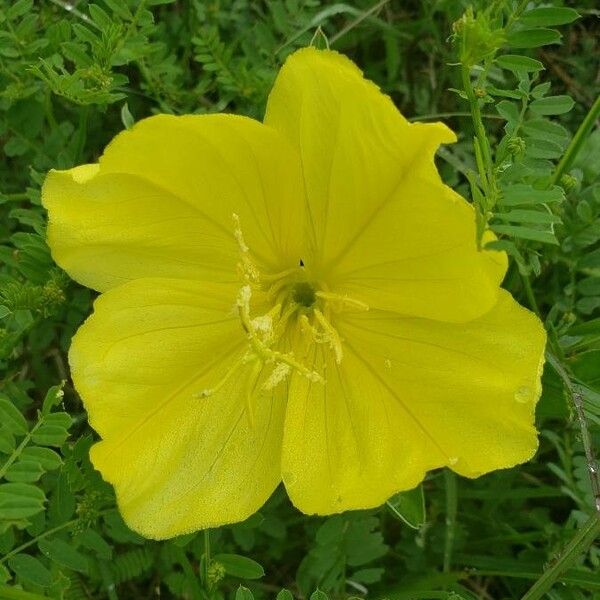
(300, 300)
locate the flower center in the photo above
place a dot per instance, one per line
(296, 305)
(304, 294)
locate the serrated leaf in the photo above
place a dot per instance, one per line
(552, 105)
(240, 566)
(533, 38)
(521, 194)
(319, 595)
(517, 63)
(20, 500)
(525, 233)
(4, 311)
(11, 417)
(47, 458)
(284, 594)
(64, 554)
(30, 570)
(25, 471)
(548, 16)
(409, 507)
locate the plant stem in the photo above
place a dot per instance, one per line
(206, 560)
(575, 548)
(445, 115)
(577, 401)
(36, 539)
(577, 142)
(367, 13)
(451, 507)
(17, 451)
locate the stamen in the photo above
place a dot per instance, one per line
(262, 350)
(342, 300)
(247, 268)
(251, 386)
(210, 391)
(334, 339)
(279, 373)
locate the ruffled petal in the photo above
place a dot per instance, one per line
(386, 230)
(179, 462)
(160, 202)
(410, 395)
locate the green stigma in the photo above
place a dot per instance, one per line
(304, 294)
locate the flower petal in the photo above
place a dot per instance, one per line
(388, 231)
(178, 462)
(161, 200)
(411, 395)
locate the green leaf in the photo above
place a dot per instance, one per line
(529, 216)
(26, 471)
(368, 575)
(18, 9)
(11, 593)
(126, 117)
(319, 595)
(99, 16)
(30, 570)
(53, 398)
(11, 417)
(525, 233)
(240, 566)
(537, 148)
(4, 311)
(585, 367)
(552, 105)
(20, 500)
(521, 194)
(7, 441)
(544, 129)
(49, 459)
(517, 63)
(284, 594)
(93, 541)
(243, 593)
(548, 16)
(508, 110)
(533, 38)
(53, 430)
(409, 507)
(64, 554)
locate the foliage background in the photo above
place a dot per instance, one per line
(72, 74)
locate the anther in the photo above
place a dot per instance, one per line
(343, 301)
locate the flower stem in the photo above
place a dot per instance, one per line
(206, 561)
(577, 402)
(451, 507)
(577, 142)
(575, 548)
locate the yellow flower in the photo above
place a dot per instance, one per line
(300, 300)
